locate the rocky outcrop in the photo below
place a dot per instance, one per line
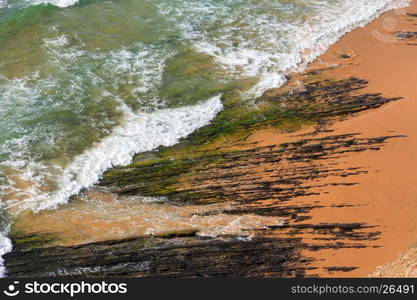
(264, 181)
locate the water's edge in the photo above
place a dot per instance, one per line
(163, 128)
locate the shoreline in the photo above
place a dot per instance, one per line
(389, 64)
(349, 212)
(387, 192)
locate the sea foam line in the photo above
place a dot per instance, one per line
(144, 132)
(137, 133)
(5, 247)
(58, 3)
(308, 42)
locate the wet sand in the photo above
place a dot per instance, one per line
(99, 216)
(350, 213)
(386, 196)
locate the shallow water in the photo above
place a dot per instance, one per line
(98, 216)
(86, 85)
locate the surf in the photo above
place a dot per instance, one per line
(84, 86)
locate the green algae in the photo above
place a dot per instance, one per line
(31, 241)
(166, 171)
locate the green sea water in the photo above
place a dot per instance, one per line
(84, 85)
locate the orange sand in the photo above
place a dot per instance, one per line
(385, 197)
(388, 194)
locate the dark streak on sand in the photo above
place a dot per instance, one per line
(260, 180)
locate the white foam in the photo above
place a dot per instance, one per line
(137, 133)
(5, 242)
(58, 3)
(269, 49)
(140, 68)
(264, 57)
(5, 247)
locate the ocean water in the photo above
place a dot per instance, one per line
(85, 85)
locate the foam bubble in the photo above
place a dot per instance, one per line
(5, 247)
(260, 39)
(5, 242)
(58, 3)
(137, 133)
(246, 38)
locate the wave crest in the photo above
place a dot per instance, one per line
(137, 133)
(58, 3)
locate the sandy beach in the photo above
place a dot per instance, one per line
(387, 194)
(280, 197)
